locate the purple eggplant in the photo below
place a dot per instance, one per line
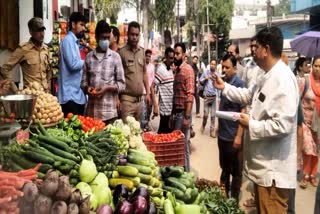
(140, 205)
(104, 209)
(124, 207)
(152, 209)
(120, 192)
(140, 191)
(122, 161)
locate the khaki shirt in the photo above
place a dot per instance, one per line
(34, 63)
(134, 67)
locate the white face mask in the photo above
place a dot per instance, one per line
(104, 44)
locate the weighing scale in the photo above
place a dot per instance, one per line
(17, 108)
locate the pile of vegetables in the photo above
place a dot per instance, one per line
(94, 185)
(136, 203)
(73, 128)
(103, 150)
(213, 200)
(180, 183)
(202, 184)
(47, 109)
(11, 184)
(163, 138)
(53, 195)
(87, 123)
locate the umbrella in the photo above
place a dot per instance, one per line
(307, 44)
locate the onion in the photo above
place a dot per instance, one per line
(30, 191)
(42, 205)
(140, 205)
(59, 207)
(122, 161)
(85, 206)
(104, 209)
(64, 190)
(73, 208)
(76, 197)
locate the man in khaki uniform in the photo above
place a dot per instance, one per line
(133, 60)
(33, 57)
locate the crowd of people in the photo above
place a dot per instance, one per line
(275, 137)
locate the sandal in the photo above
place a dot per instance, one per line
(304, 182)
(313, 181)
(250, 203)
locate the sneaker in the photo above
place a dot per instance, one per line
(202, 129)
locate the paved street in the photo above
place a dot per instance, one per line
(205, 164)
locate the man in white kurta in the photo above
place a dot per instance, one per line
(270, 142)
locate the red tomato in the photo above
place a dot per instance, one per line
(69, 115)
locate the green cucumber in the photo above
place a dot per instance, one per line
(128, 171)
(136, 180)
(145, 178)
(174, 183)
(55, 143)
(142, 169)
(177, 192)
(139, 160)
(38, 157)
(60, 152)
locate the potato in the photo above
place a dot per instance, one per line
(33, 116)
(48, 121)
(44, 116)
(39, 115)
(50, 115)
(54, 119)
(43, 121)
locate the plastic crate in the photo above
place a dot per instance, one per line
(168, 153)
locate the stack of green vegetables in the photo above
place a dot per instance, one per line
(180, 183)
(94, 184)
(73, 128)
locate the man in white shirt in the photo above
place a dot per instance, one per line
(270, 142)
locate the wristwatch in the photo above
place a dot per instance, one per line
(187, 117)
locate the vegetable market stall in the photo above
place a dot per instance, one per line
(83, 165)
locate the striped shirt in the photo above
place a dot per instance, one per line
(164, 82)
(99, 71)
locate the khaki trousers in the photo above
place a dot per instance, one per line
(129, 108)
(271, 200)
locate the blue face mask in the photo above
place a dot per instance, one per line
(104, 44)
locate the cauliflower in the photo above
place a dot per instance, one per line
(118, 123)
(126, 130)
(135, 141)
(130, 120)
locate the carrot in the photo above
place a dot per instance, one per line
(5, 200)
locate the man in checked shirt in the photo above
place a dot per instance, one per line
(103, 77)
(183, 91)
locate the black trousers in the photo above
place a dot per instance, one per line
(197, 98)
(164, 125)
(231, 164)
(72, 107)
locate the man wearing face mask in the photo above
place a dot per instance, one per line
(183, 92)
(103, 77)
(70, 95)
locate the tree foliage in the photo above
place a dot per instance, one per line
(220, 18)
(165, 16)
(282, 8)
